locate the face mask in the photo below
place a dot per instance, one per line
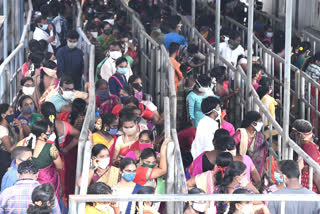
(246, 209)
(200, 207)
(269, 35)
(158, 30)
(113, 131)
(203, 89)
(148, 165)
(226, 38)
(244, 182)
(130, 131)
(103, 95)
(68, 95)
(143, 146)
(44, 27)
(139, 96)
(94, 34)
(233, 44)
(124, 99)
(258, 127)
(122, 70)
(278, 178)
(103, 163)
(28, 110)
(28, 90)
(219, 113)
(129, 177)
(107, 32)
(179, 27)
(115, 54)
(72, 45)
(9, 118)
(52, 138)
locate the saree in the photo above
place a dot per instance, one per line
(205, 181)
(111, 177)
(50, 175)
(98, 139)
(313, 151)
(195, 168)
(256, 149)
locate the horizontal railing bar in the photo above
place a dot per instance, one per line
(195, 197)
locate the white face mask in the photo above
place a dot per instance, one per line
(269, 35)
(258, 127)
(244, 182)
(226, 39)
(130, 131)
(246, 209)
(72, 45)
(103, 163)
(115, 54)
(200, 207)
(67, 95)
(28, 90)
(219, 114)
(203, 89)
(94, 34)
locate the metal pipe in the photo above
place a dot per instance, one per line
(250, 51)
(286, 104)
(217, 33)
(5, 29)
(193, 20)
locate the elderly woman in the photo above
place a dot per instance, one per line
(302, 134)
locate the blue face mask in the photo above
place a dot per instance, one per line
(28, 110)
(113, 131)
(277, 177)
(10, 118)
(129, 177)
(122, 70)
(44, 27)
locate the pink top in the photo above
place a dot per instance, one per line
(24, 69)
(229, 127)
(249, 164)
(256, 86)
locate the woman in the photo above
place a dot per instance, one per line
(107, 131)
(42, 199)
(195, 207)
(207, 179)
(119, 80)
(129, 141)
(225, 124)
(27, 88)
(302, 135)
(148, 170)
(148, 206)
(250, 140)
(104, 101)
(265, 94)
(195, 97)
(234, 178)
(27, 108)
(70, 148)
(303, 55)
(257, 71)
(61, 129)
(101, 170)
(45, 155)
(126, 185)
(101, 188)
(106, 37)
(124, 94)
(239, 207)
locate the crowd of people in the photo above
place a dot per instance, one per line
(39, 132)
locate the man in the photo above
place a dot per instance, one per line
(18, 155)
(70, 59)
(193, 57)
(16, 199)
(174, 53)
(231, 49)
(289, 171)
(174, 23)
(109, 66)
(63, 99)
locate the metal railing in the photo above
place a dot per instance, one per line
(315, 41)
(88, 124)
(10, 68)
(74, 199)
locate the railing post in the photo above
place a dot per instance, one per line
(170, 179)
(250, 51)
(217, 33)
(286, 104)
(193, 21)
(5, 29)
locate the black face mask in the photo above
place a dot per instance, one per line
(108, 31)
(233, 44)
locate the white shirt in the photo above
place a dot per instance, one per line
(204, 136)
(39, 34)
(3, 133)
(109, 68)
(231, 55)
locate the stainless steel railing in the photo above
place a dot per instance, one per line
(10, 68)
(315, 41)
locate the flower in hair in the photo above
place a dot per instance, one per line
(51, 118)
(222, 170)
(301, 48)
(98, 124)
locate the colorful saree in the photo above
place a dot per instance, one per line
(110, 177)
(195, 168)
(50, 175)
